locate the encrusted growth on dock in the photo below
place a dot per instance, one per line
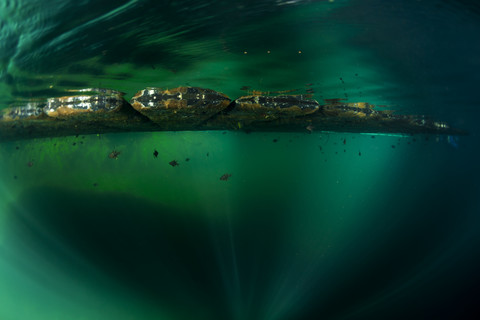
(96, 110)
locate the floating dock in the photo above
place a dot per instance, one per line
(96, 111)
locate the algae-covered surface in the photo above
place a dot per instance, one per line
(231, 224)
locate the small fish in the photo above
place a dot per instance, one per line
(309, 128)
(173, 163)
(344, 141)
(225, 177)
(155, 154)
(30, 164)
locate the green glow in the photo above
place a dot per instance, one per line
(311, 226)
(309, 174)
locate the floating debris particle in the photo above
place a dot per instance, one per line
(30, 164)
(114, 154)
(187, 159)
(275, 140)
(225, 177)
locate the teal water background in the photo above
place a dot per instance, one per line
(309, 226)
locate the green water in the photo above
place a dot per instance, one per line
(136, 237)
(308, 226)
(221, 46)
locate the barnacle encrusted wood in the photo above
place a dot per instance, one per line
(176, 108)
(93, 104)
(96, 109)
(24, 121)
(362, 117)
(190, 108)
(28, 112)
(249, 110)
(93, 110)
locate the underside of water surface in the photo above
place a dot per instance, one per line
(228, 224)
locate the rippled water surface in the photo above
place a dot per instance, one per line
(308, 226)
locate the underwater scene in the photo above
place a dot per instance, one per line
(235, 159)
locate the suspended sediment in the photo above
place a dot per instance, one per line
(94, 111)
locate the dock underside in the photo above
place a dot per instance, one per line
(97, 111)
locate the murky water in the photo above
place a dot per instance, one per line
(308, 226)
